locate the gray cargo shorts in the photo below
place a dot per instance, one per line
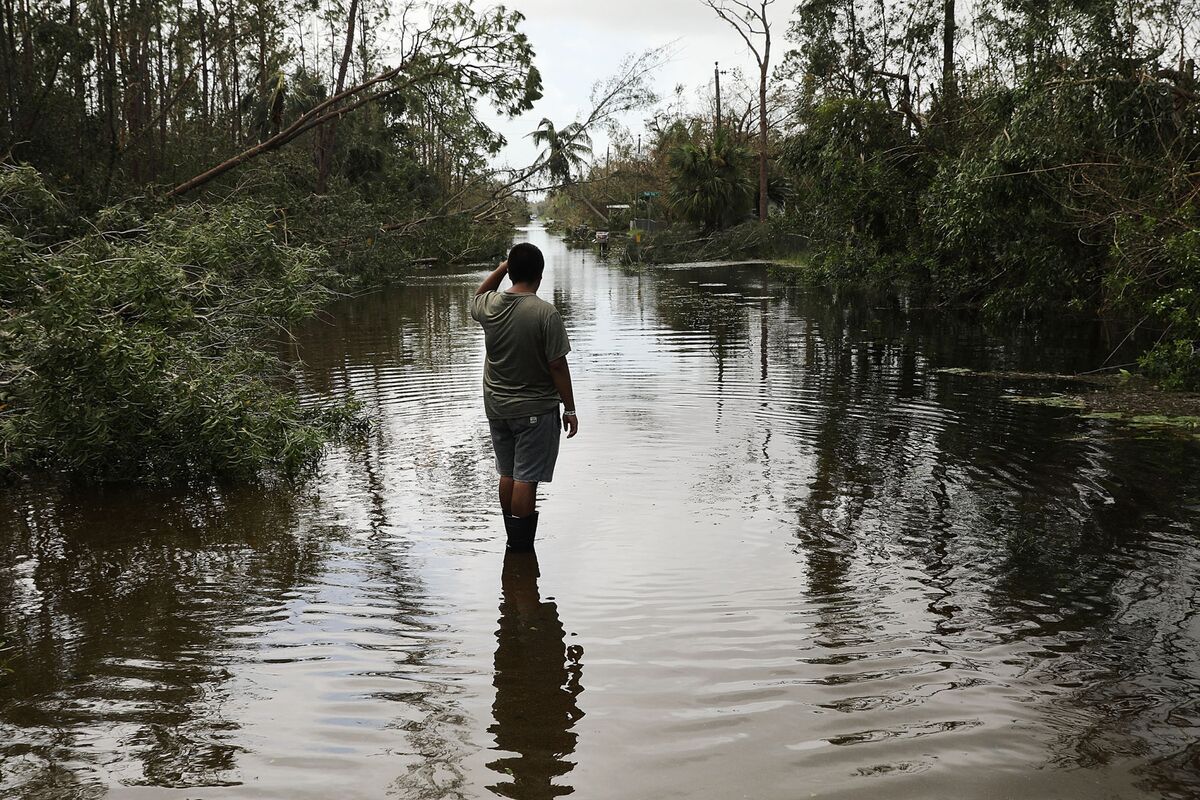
(527, 447)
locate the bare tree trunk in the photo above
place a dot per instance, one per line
(949, 85)
(204, 111)
(25, 80)
(751, 22)
(236, 108)
(26, 24)
(77, 83)
(220, 67)
(762, 147)
(364, 42)
(7, 65)
(325, 136)
(162, 94)
(262, 50)
(763, 67)
(110, 91)
(133, 79)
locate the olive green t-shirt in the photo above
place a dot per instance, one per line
(523, 334)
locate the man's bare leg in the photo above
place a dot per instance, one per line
(523, 499)
(506, 494)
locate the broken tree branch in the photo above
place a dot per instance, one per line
(318, 115)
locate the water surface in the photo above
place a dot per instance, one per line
(785, 557)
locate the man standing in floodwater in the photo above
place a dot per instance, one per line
(525, 375)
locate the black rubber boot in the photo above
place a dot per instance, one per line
(521, 531)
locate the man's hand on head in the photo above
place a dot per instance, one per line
(492, 282)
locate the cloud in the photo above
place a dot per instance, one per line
(623, 17)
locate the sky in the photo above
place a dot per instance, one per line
(579, 42)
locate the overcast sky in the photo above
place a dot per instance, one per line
(581, 41)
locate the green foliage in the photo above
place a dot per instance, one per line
(1174, 363)
(566, 212)
(748, 240)
(1050, 168)
(346, 224)
(105, 126)
(27, 204)
(566, 150)
(140, 343)
(147, 354)
(711, 182)
(1060, 178)
(1175, 359)
(840, 43)
(1156, 274)
(857, 176)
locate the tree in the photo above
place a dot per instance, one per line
(484, 55)
(566, 150)
(949, 85)
(710, 183)
(751, 23)
(626, 90)
(325, 135)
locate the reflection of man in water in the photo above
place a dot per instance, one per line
(524, 377)
(537, 681)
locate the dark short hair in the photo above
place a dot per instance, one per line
(525, 263)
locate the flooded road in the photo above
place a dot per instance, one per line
(786, 557)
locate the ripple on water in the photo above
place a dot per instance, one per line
(784, 556)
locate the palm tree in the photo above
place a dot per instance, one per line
(711, 182)
(566, 149)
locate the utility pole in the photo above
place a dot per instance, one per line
(717, 80)
(750, 21)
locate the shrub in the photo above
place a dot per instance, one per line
(711, 184)
(856, 175)
(148, 354)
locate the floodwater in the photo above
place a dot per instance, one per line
(786, 557)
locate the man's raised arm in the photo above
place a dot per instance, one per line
(492, 282)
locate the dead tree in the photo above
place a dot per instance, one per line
(751, 23)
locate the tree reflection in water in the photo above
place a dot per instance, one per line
(120, 615)
(537, 682)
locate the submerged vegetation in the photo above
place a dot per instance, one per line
(1022, 158)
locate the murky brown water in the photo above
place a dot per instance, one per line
(785, 558)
